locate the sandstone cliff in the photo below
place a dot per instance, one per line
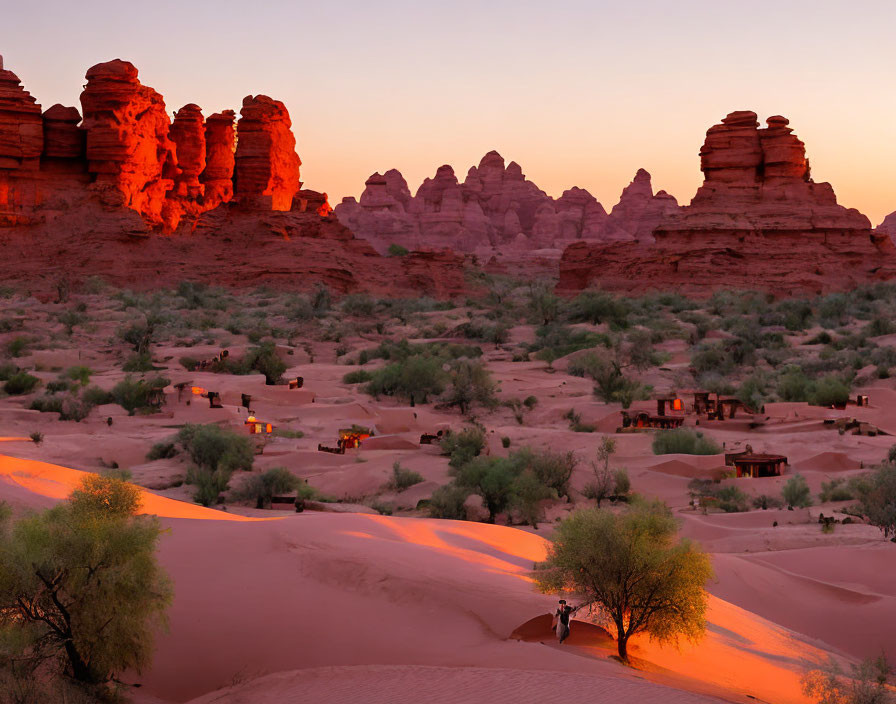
(758, 221)
(143, 201)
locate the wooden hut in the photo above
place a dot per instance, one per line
(748, 464)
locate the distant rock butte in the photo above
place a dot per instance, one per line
(888, 227)
(142, 201)
(757, 222)
(494, 211)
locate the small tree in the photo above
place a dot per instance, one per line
(602, 485)
(449, 502)
(471, 383)
(552, 469)
(493, 479)
(796, 492)
(463, 446)
(633, 570)
(81, 592)
(876, 493)
(528, 493)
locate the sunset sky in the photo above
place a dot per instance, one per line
(578, 92)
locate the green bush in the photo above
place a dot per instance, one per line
(264, 359)
(161, 451)
(17, 346)
(599, 307)
(448, 502)
(396, 250)
(208, 485)
(683, 441)
(416, 378)
(261, 488)
(731, 499)
(135, 394)
(830, 390)
(212, 447)
(471, 384)
(796, 492)
(80, 373)
(463, 446)
(403, 478)
(622, 485)
(764, 502)
(835, 490)
(20, 383)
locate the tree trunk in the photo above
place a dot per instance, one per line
(622, 647)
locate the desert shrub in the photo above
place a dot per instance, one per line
(463, 446)
(288, 433)
(575, 422)
(261, 488)
(622, 485)
(416, 378)
(602, 484)
(794, 385)
(18, 346)
(633, 569)
(95, 396)
(396, 250)
(80, 374)
(47, 404)
(135, 394)
(37, 437)
(712, 358)
(321, 300)
(795, 492)
(57, 385)
(835, 490)
(7, 369)
(20, 383)
(865, 683)
(599, 307)
(764, 502)
(212, 447)
(683, 441)
(403, 478)
(754, 390)
(208, 485)
(448, 502)
(162, 451)
(505, 442)
(830, 390)
(731, 499)
(358, 304)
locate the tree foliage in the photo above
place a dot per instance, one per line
(632, 570)
(81, 592)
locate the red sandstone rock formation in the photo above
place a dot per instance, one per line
(758, 222)
(638, 211)
(63, 139)
(496, 211)
(148, 172)
(219, 158)
(128, 149)
(887, 228)
(21, 126)
(267, 166)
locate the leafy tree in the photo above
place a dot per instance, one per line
(213, 447)
(471, 383)
(528, 493)
(543, 302)
(81, 591)
(796, 493)
(264, 359)
(830, 390)
(876, 494)
(135, 394)
(552, 469)
(632, 570)
(493, 479)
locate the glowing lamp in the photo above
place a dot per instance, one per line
(677, 405)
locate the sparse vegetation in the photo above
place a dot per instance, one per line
(683, 441)
(796, 493)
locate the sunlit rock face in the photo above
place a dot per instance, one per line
(495, 209)
(142, 201)
(758, 221)
(129, 153)
(267, 166)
